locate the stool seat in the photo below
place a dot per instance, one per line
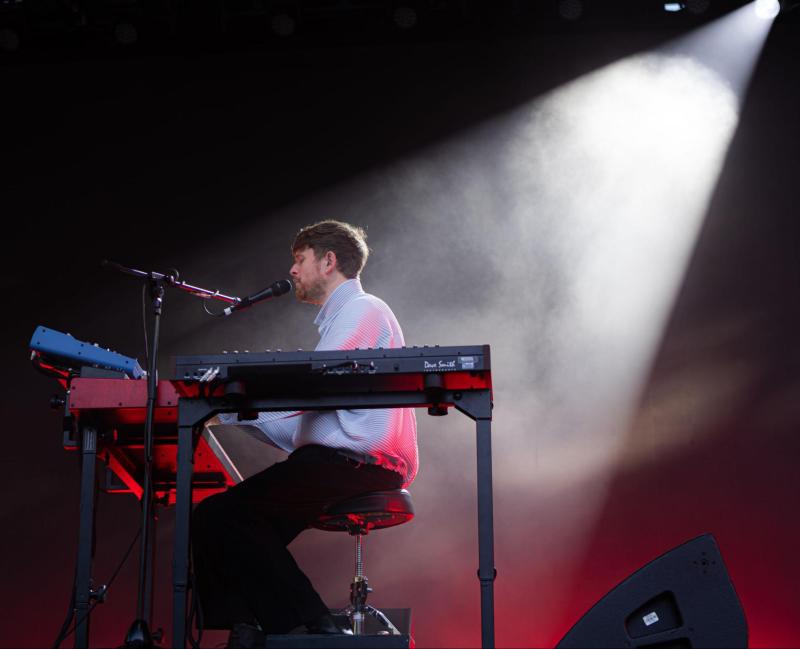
(370, 511)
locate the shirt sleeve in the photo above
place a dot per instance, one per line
(278, 427)
(361, 323)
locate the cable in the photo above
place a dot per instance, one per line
(216, 315)
(144, 325)
(63, 633)
(194, 609)
(64, 636)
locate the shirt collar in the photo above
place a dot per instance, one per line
(341, 295)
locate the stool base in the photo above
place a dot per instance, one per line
(314, 641)
(374, 636)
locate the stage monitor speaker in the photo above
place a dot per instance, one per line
(684, 599)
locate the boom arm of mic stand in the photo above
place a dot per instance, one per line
(172, 280)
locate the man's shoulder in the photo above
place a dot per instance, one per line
(366, 306)
(364, 320)
(367, 302)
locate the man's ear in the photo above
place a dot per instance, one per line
(330, 261)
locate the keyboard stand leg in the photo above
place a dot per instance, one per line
(183, 513)
(83, 566)
(486, 570)
(191, 414)
(478, 406)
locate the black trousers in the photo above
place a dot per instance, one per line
(243, 569)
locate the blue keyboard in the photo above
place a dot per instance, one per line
(64, 349)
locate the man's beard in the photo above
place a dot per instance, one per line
(311, 293)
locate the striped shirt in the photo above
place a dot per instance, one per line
(351, 318)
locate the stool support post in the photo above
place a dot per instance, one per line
(359, 556)
(360, 588)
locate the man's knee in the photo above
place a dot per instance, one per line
(209, 514)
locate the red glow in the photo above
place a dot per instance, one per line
(118, 406)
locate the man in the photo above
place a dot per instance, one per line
(245, 573)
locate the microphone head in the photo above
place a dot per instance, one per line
(281, 287)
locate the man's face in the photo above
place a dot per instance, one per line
(309, 281)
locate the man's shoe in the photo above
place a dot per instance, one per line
(326, 625)
(246, 636)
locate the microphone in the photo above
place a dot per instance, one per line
(281, 287)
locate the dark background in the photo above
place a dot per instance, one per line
(209, 158)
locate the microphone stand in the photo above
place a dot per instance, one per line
(139, 634)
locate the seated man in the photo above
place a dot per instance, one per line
(244, 572)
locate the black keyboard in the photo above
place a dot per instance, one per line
(403, 360)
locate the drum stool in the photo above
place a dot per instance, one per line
(358, 516)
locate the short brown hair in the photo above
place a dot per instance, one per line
(347, 242)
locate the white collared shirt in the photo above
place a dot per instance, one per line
(351, 318)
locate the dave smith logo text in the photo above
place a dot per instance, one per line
(441, 365)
